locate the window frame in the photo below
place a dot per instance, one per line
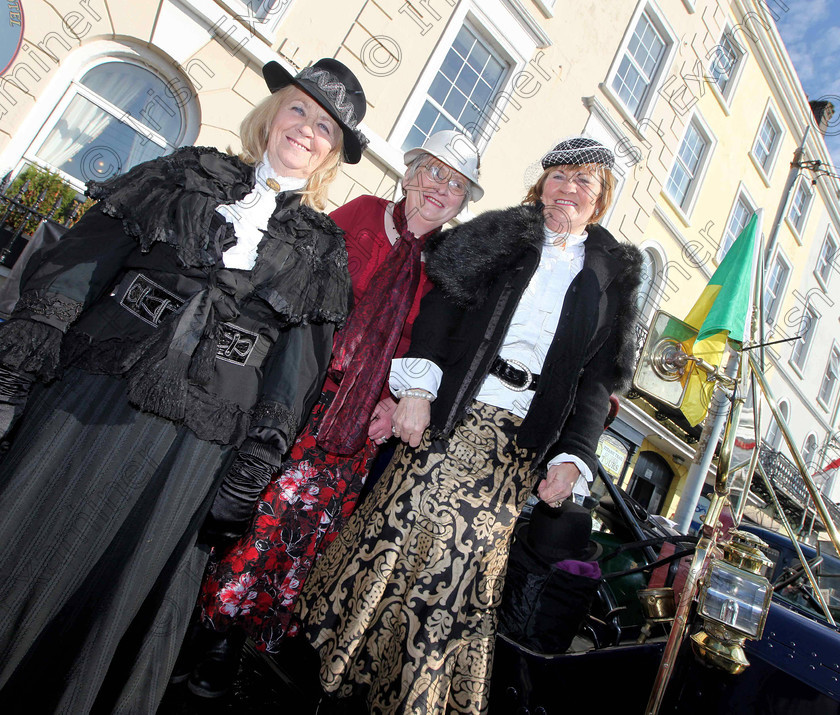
(797, 227)
(806, 458)
(265, 28)
(658, 19)
(658, 281)
(689, 201)
(740, 194)
(774, 436)
(778, 258)
(546, 7)
(833, 355)
(51, 104)
(765, 169)
(821, 261)
(724, 96)
(517, 47)
(797, 360)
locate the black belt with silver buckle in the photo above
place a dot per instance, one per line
(514, 374)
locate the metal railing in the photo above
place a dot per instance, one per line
(15, 215)
(786, 479)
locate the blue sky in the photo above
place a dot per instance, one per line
(811, 32)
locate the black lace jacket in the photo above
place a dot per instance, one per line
(138, 288)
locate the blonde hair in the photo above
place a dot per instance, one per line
(254, 132)
(602, 203)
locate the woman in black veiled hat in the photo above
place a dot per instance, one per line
(513, 357)
(176, 338)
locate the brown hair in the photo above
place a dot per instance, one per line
(602, 203)
(254, 132)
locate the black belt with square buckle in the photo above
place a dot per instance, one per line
(514, 374)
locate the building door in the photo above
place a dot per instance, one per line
(650, 481)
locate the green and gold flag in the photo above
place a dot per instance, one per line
(719, 315)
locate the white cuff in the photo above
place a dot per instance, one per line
(419, 373)
(585, 474)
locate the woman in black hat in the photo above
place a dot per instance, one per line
(513, 357)
(174, 340)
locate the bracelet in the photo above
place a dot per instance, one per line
(414, 392)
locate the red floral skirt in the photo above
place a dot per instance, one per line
(254, 583)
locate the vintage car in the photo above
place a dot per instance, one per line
(612, 664)
(737, 619)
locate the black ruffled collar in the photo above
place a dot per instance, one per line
(173, 200)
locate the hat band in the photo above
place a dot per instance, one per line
(334, 90)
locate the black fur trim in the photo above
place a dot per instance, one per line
(627, 316)
(465, 260)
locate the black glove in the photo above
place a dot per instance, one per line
(14, 392)
(235, 502)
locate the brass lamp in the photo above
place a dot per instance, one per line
(734, 601)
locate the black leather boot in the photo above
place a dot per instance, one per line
(214, 674)
(195, 646)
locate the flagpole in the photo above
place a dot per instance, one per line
(719, 407)
(705, 452)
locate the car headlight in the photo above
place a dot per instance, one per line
(734, 601)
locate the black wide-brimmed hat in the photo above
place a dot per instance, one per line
(578, 150)
(560, 533)
(336, 89)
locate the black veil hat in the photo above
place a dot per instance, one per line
(331, 84)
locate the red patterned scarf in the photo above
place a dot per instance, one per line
(363, 349)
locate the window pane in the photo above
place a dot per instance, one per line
(830, 378)
(774, 433)
(639, 64)
(629, 85)
(686, 164)
(455, 103)
(645, 296)
(461, 94)
(774, 288)
(649, 48)
(478, 57)
(765, 142)
(799, 205)
(807, 329)
(724, 62)
(825, 263)
(809, 452)
(442, 124)
(139, 94)
(265, 9)
(740, 215)
(89, 143)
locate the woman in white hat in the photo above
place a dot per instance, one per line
(514, 354)
(252, 584)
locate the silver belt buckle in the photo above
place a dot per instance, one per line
(236, 344)
(520, 366)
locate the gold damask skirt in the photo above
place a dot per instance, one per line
(402, 606)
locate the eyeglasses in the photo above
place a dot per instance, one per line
(444, 175)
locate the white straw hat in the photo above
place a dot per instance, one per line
(456, 151)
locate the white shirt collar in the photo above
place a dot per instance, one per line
(264, 172)
(574, 242)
